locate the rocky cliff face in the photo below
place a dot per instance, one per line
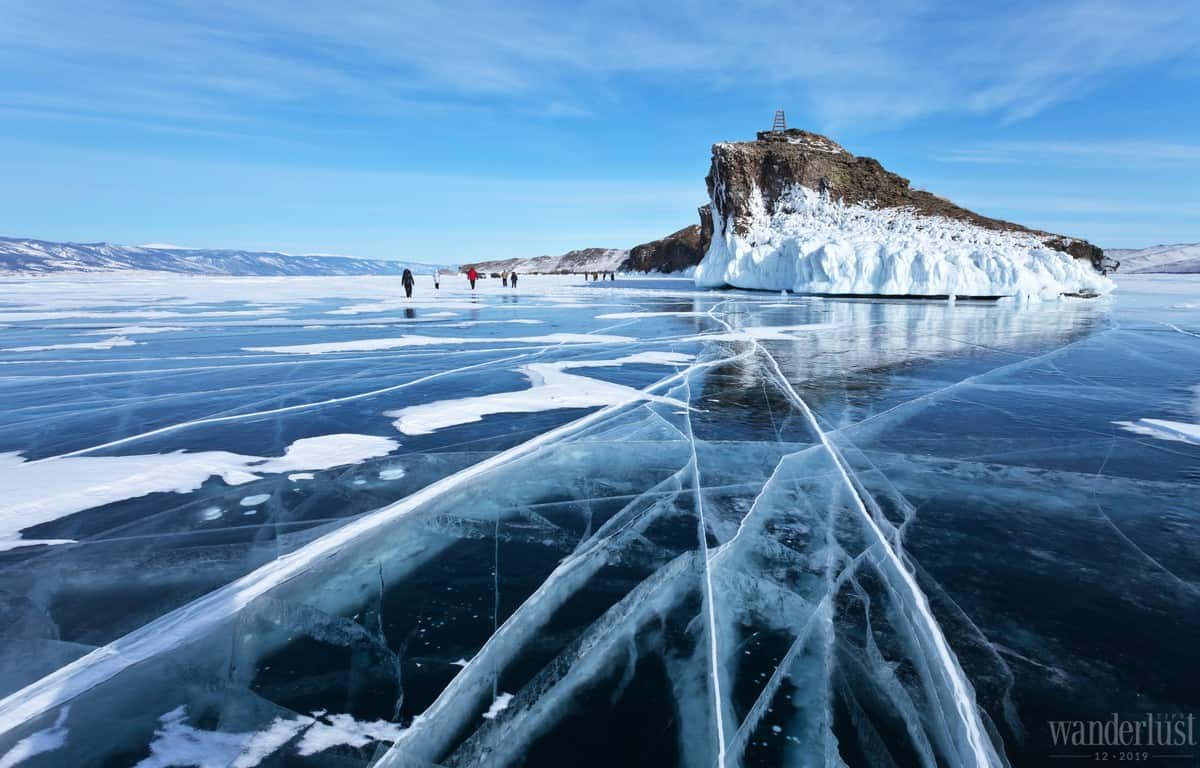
(747, 177)
(675, 252)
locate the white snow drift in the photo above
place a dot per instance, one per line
(811, 244)
(36, 492)
(412, 340)
(1163, 429)
(110, 343)
(552, 388)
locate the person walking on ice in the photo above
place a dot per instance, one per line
(436, 281)
(407, 281)
(512, 278)
(472, 276)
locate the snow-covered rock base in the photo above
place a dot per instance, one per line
(811, 244)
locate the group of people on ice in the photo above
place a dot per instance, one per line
(408, 281)
(508, 278)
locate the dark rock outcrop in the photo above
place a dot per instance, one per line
(675, 252)
(777, 161)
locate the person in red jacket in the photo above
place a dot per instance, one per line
(472, 276)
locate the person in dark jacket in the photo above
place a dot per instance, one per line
(512, 278)
(407, 281)
(472, 276)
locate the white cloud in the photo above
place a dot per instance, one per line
(851, 60)
(1094, 153)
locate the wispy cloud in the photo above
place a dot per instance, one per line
(1095, 153)
(852, 60)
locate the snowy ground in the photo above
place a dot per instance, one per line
(265, 521)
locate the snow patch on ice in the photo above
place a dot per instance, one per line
(335, 730)
(109, 343)
(374, 345)
(391, 473)
(811, 244)
(38, 742)
(1163, 429)
(552, 388)
(178, 744)
(499, 704)
(296, 477)
(36, 492)
(255, 500)
(135, 330)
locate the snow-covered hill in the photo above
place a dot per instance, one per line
(1177, 259)
(582, 260)
(24, 256)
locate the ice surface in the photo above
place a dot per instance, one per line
(810, 244)
(727, 529)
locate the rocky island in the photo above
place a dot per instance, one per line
(794, 210)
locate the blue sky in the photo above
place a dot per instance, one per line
(452, 131)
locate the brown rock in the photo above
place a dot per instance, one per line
(675, 252)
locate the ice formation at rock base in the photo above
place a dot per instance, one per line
(809, 244)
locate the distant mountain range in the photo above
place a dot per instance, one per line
(678, 251)
(582, 260)
(1177, 259)
(33, 257)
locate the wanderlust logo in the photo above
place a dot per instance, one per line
(1126, 738)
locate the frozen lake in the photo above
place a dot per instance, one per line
(305, 521)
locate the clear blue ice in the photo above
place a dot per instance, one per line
(719, 529)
